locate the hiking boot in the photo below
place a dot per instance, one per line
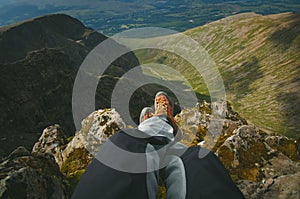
(146, 113)
(164, 107)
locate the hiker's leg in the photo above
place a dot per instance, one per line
(174, 178)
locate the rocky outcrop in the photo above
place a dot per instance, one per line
(262, 165)
(56, 163)
(196, 121)
(78, 153)
(84, 145)
(253, 159)
(286, 186)
(32, 176)
(53, 141)
(247, 155)
(95, 131)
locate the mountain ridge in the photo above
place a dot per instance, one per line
(39, 63)
(50, 31)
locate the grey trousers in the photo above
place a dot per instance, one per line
(174, 172)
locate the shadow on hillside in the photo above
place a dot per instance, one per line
(285, 36)
(239, 81)
(291, 110)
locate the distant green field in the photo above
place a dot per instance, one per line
(179, 15)
(110, 17)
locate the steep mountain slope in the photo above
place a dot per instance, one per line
(35, 92)
(38, 64)
(258, 57)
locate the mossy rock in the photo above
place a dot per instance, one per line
(226, 156)
(253, 155)
(242, 163)
(289, 147)
(74, 178)
(220, 141)
(205, 108)
(201, 133)
(251, 173)
(77, 160)
(247, 169)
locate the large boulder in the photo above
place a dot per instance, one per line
(247, 155)
(95, 131)
(286, 186)
(32, 176)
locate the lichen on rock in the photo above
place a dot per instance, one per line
(255, 165)
(290, 148)
(95, 131)
(53, 140)
(202, 124)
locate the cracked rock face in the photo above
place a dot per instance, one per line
(32, 176)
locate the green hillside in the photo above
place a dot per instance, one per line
(258, 57)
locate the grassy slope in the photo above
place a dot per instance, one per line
(258, 57)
